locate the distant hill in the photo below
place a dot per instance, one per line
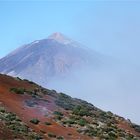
(31, 112)
(42, 60)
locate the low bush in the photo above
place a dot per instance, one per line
(2, 109)
(60, 138)
(65, 101)
(35, 121)
(82, 122)
(58, 113)
(10, 116)
(17, 90)
(51, 135)
(136, 127)
(81, 111)
(48, 123)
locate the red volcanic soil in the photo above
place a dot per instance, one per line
(123, 124)
(16, 103)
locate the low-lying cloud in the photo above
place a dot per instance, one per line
(114, 88)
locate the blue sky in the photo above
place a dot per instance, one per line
(109, 27)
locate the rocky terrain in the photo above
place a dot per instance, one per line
(31, 112)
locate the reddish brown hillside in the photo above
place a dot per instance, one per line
(17, 103)
(29, 111)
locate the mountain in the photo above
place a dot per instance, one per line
(31, 112)
(42, 60)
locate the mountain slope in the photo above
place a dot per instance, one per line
(29, 111)
(49, 58)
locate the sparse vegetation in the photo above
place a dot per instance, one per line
(58, 115)
(13, 122)
(34, 93)
(69, 112)
(64, 101)
(17, 90)
(82, 122)
(82, 111)
(136, 127)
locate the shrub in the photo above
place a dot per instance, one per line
(2, 109)
(51, 135)
(18, 127)
(34, 121)
(65, 101)
(18, 78)
(70, 121)
(136, 127)
(31, 82)
(48, 123)
(82, 111)
(58, 113)
(82, 122)
(18, 90)
(60, 138)
(113, 135)
(10, 116)
(35, 136)
(67, 105)
(58, 117)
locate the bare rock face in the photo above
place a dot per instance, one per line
(42, 60)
